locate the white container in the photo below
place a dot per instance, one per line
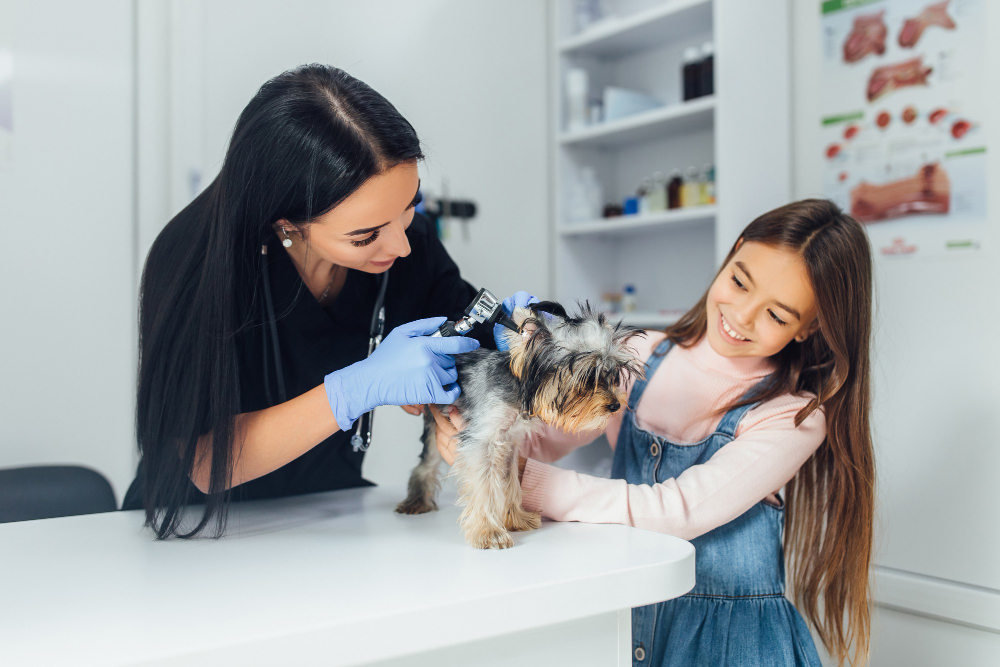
(585, 197)
(622, 102)
(577, 88)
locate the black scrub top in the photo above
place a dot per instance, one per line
(316, 340)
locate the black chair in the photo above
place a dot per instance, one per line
(45, 492)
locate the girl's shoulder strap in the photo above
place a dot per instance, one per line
(731, 420)
(649, 367)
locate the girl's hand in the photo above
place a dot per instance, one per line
(415, 410)
(446, 432)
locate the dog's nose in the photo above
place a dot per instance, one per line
(613, 406)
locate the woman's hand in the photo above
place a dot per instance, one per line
(408, 368)
(516, 300)
(446, 434)
(448, 426)
(415, 410)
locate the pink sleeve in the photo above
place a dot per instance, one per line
(767, 453)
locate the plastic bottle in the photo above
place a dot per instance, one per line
(630, 205)
(577, 85)
(658, 193)
(690, 192)
(691, 73)
(708, 193)
(703, 186)
(707, 69)
(643, 193)
(674, 189)
(629, 301)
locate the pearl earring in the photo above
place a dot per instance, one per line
(287, 242)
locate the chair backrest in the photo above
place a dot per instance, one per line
(45, 492)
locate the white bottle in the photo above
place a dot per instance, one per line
(644, 193)
(708, 185)
(577, 86)
(629, 301)
(658, 195)
(691, 190)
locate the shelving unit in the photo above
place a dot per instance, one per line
(669, 256)
(661, 23)
(684, 117)
(627, 223)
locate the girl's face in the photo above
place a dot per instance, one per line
(366, 231)
(761, 300)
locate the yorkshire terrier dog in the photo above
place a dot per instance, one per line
(564, 371)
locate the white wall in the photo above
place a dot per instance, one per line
(95, 179)
(469, 76)
(937, 388)
(66, 304)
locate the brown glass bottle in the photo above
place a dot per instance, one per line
(674, 189)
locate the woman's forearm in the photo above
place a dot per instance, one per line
(267, 439)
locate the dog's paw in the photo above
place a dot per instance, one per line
(519, 519)
(416, 506)
(491, 539)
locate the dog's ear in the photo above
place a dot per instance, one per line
(550, 307)
(520, 314)
(517, 342)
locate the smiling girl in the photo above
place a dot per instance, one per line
(763, 384)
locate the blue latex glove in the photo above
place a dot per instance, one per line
(518, 299)
(408, 368)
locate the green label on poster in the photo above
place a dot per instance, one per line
(967, 151)
(843, 118)
(830, 6)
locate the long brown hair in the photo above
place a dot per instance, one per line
(831, 500)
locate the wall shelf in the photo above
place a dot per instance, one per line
(743, 132)
(691, 116)
(616, 36)
(628, 223)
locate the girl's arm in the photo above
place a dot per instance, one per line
(551, 444)
(759, 461)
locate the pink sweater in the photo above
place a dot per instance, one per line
(679, 404)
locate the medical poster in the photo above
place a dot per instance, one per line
(6, 76)
(902, 121)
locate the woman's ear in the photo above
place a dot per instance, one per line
(284, 228)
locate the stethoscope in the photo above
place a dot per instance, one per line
(360, 442)
(362, 438)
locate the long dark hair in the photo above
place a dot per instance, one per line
(308, 139)
(831, 500)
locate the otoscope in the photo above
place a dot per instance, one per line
(484, 309)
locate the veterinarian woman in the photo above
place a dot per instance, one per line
(260, 301)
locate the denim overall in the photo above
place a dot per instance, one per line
(737, 614)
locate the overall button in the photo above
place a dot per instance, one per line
(640, 653)
(654, 450)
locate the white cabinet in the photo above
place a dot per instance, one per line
(669, 256)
